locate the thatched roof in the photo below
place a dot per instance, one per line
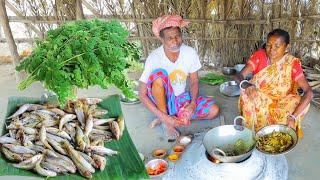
(224, 32)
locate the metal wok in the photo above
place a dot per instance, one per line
(230, 143)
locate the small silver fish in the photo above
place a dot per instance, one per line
(54, 137)
(80, 113)
(66, 118)
(54, 167)
(8, 140)
(99, 113)
(44, 172)
(97, 122)
(58, 132)
(43, 137)
(29, 163)
(121, 124)
(57, 111)
(115, 129)
(56, 146)
(45, 111)
(101, 132)
(80, 162)
(89, 125)
(102, 127)
(37, 148)
(24, 108)
(87, 158)
(11, 155)
(19, 149)
(80, 138)
(101, 150)
(63, 161)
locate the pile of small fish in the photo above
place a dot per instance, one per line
(53, 141)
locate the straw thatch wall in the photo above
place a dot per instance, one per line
(224, 32)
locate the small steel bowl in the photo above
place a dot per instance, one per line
(184, 140)
(228, 70)
(278, 128)
(154, 163)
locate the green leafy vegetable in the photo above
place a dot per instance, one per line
(238, 148)
(82, 54)
(276, 142)
(213, 79)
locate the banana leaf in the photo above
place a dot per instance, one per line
(126, 165)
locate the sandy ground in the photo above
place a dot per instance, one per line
(303, 161)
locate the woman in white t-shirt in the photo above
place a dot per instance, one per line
(163, 81)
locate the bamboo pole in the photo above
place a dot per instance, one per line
(79, 10)
(94, 11)
(55, 12)
(8, 34)
(28, 25)
(1, 32)
(139, 29)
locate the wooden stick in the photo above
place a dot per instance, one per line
(315, 87)
(313, 83)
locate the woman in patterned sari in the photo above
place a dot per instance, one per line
(271, 95)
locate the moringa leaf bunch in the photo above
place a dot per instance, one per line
(81, 54)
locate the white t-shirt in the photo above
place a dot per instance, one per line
(187, 62)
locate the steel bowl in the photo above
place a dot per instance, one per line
(230, 88)
(130, 101)
(239, 67)
(278, 128)
(216, 139)
(154, 163)
(228, 70)
(184, 140)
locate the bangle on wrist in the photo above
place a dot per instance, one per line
(293, 117)
(242, 82)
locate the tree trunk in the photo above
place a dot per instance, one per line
(79, 10)
(8, 34)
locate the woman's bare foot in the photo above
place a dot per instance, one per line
(154, 123)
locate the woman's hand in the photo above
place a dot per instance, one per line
(251, 91)
(291, 122)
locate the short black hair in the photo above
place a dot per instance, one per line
(162, 31)
(282, 33)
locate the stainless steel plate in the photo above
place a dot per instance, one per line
(125, 100)
(230, 88)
